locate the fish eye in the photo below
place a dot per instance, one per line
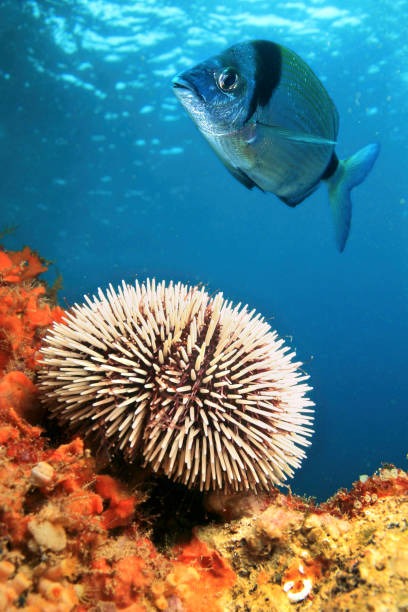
(228, 79)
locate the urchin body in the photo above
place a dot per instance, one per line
(190, 385)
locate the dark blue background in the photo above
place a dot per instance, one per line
(105, 191)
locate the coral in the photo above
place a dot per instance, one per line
(126, 580)
(196, 388)
(75, 540)
(201, 575)
(25, 311)
(389, 481)
(17, 591)
(70, 537)
(350, 553)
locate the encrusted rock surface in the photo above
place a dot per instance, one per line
(294, 556)
(73, 539)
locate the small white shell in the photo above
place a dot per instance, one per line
(294, 597)
(42, 474)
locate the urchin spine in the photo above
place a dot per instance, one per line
(201, 390)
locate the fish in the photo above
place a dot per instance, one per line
(272, 123)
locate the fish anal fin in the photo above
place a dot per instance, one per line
(294, 201)
(290, 202)
(242, 177)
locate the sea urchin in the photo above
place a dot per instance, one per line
(190, 385)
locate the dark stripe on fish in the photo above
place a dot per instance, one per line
(331, 167)
(268, 66)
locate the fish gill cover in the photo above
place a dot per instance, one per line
(102, 172)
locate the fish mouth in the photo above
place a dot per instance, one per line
(179, 83)
(185, 88)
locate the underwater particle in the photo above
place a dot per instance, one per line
(172, 151)
(145, 110)
(190, 385)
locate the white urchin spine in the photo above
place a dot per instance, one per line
(199, 389)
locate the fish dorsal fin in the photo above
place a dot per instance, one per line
(294, 135)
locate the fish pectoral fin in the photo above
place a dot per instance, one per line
(241, 176)
(296, 136)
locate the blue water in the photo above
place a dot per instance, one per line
(103, 172)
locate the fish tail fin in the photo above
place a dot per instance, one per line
(349, 173)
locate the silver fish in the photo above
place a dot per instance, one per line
(273, 125)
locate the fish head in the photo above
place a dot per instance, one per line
(217, 92)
